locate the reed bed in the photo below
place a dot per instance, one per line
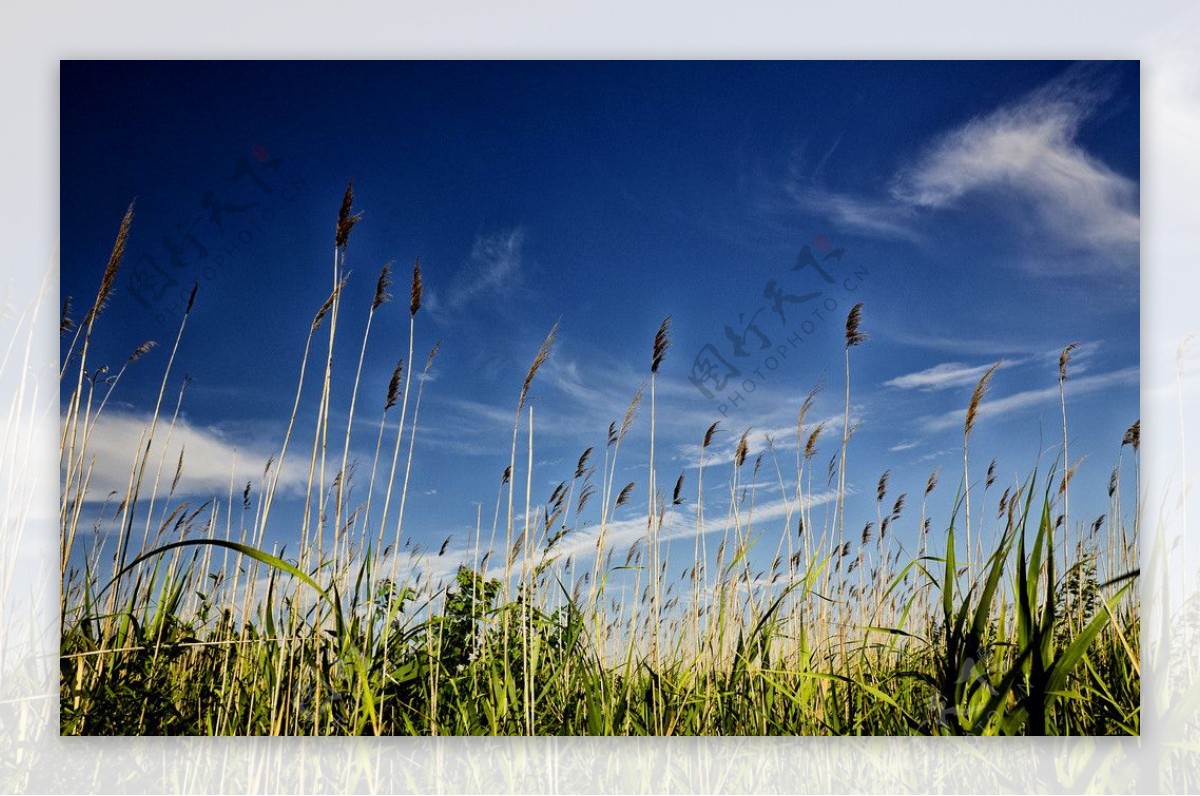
(1004, 617)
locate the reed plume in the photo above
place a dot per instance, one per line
(418, 290)
(1068, 474)
(346, 218)
(538, 360)
(853, 335)
(65, 324)
(810, 446)
(630, 412)
(141, 351)
(1064, 358)
(662, 341)
(806, 407)
(1133, 435)
(743, 448)
(581, 466)
(381, 287)
(976, 398)
(324, 310)
(433, 352)
(109, 279)
(585, 495)
(393, 391)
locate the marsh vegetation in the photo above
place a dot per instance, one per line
(1008, 615)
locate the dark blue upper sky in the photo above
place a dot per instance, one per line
(983, 211)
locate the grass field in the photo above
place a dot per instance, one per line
(1008, 616)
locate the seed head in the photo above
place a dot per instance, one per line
(806, 406)
(346, 218)
(393, 392)
(1133, 435)
(853, 335)
(418, 290)
(662, 342)
(1063, 359)
(432, 353)
(381, 287)
(141, 351)
(743, 448)
(579, 468)
(109, 279)
(976, 398)
(65, 324)
(538, 360)
(321, 313)
(627, 421)
(584, 495)
(810, 447)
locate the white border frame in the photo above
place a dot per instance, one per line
(1162, 35)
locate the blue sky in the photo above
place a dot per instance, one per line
(981, 211)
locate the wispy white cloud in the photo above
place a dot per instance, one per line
(490, 414)
(946, 375)
(1029, 154)
(938, 454)
(1024, 400)
(868, 215)
(942, 376)
(493, 267)
(1031, 150)
(956, 343)
(211, 460)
